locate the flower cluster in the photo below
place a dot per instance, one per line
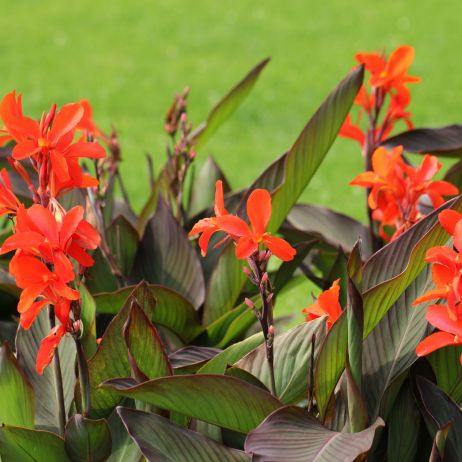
(447, 277)
(247, 238)
(397, 187)
(51, 244)
(387, 78)
(327, 304)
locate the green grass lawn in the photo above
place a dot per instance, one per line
(129, 58)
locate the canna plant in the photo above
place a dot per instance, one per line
(161, 335)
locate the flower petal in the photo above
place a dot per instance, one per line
(48, 347)
(259, 210)
(245, 247)
(65, 121)
(435, 342)
(279, 247)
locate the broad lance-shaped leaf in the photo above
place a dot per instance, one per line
(448, 377)
(231, 355)
(46, 403)
(226, 106)
(228, 402)
(328, 225)
(17, 400)
(203, 188)
(286, 178)
(438, 409)
(124, 449)
(88, 317)
(444, 141)
(292, 355)
(165, 256)
(111, 357)
(292, 435)
(173, 443)
(18, 444)
(390, 270)
(389, 350)
(403, 427)
(123, 241)
(87, 440)
(191, 358)
(172, 310)
(146, 352)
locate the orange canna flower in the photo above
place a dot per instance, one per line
(48, 347)
(37, 280)
(86, 124)
(52, 139)
(39, 233)
(388, 78)
(247, 238)
(447, 277)
(9, 203)
(326, 304)
(397, 187)
(207, 227)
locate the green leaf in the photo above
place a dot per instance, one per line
(173, 443)
(124, 448)
(403, 428)
(88, 317)
(286, 178)
(229, 402)
(330, 363)
(17, 400)
(438, 409)
(146, 351)
(231, 355)
(46, 402)
(172, 310)
(226, 106)
(292, 435)
(87, 440)
(389, 350)
(444, 141)
(123, 241)
(111, 357)
(165, 256)
(439, 443)
(191, 358)
(357, 412)
(292, 356)
(19, 444)
(203, 189)
(390, 270)
(334, 228)
(448, 376)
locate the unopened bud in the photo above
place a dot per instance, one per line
(249, 303)
(247, 271)
(271, 331)
(264, 278)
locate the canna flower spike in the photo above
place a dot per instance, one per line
(248, 239)
(388, 78)
(326, 304)
(397, 187)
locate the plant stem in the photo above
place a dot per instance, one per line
(58, 380)
(84, 377)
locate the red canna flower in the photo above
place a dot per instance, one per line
(396, 188)
(447, 277)
(51, 140)
(208, 226)
(40, 233)
(48, 347)
(9, 203)
(86, 124)
(326, 304)
(37, 280)
(388, 78)
(247, 238)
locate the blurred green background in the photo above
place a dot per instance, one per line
(129, 58)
